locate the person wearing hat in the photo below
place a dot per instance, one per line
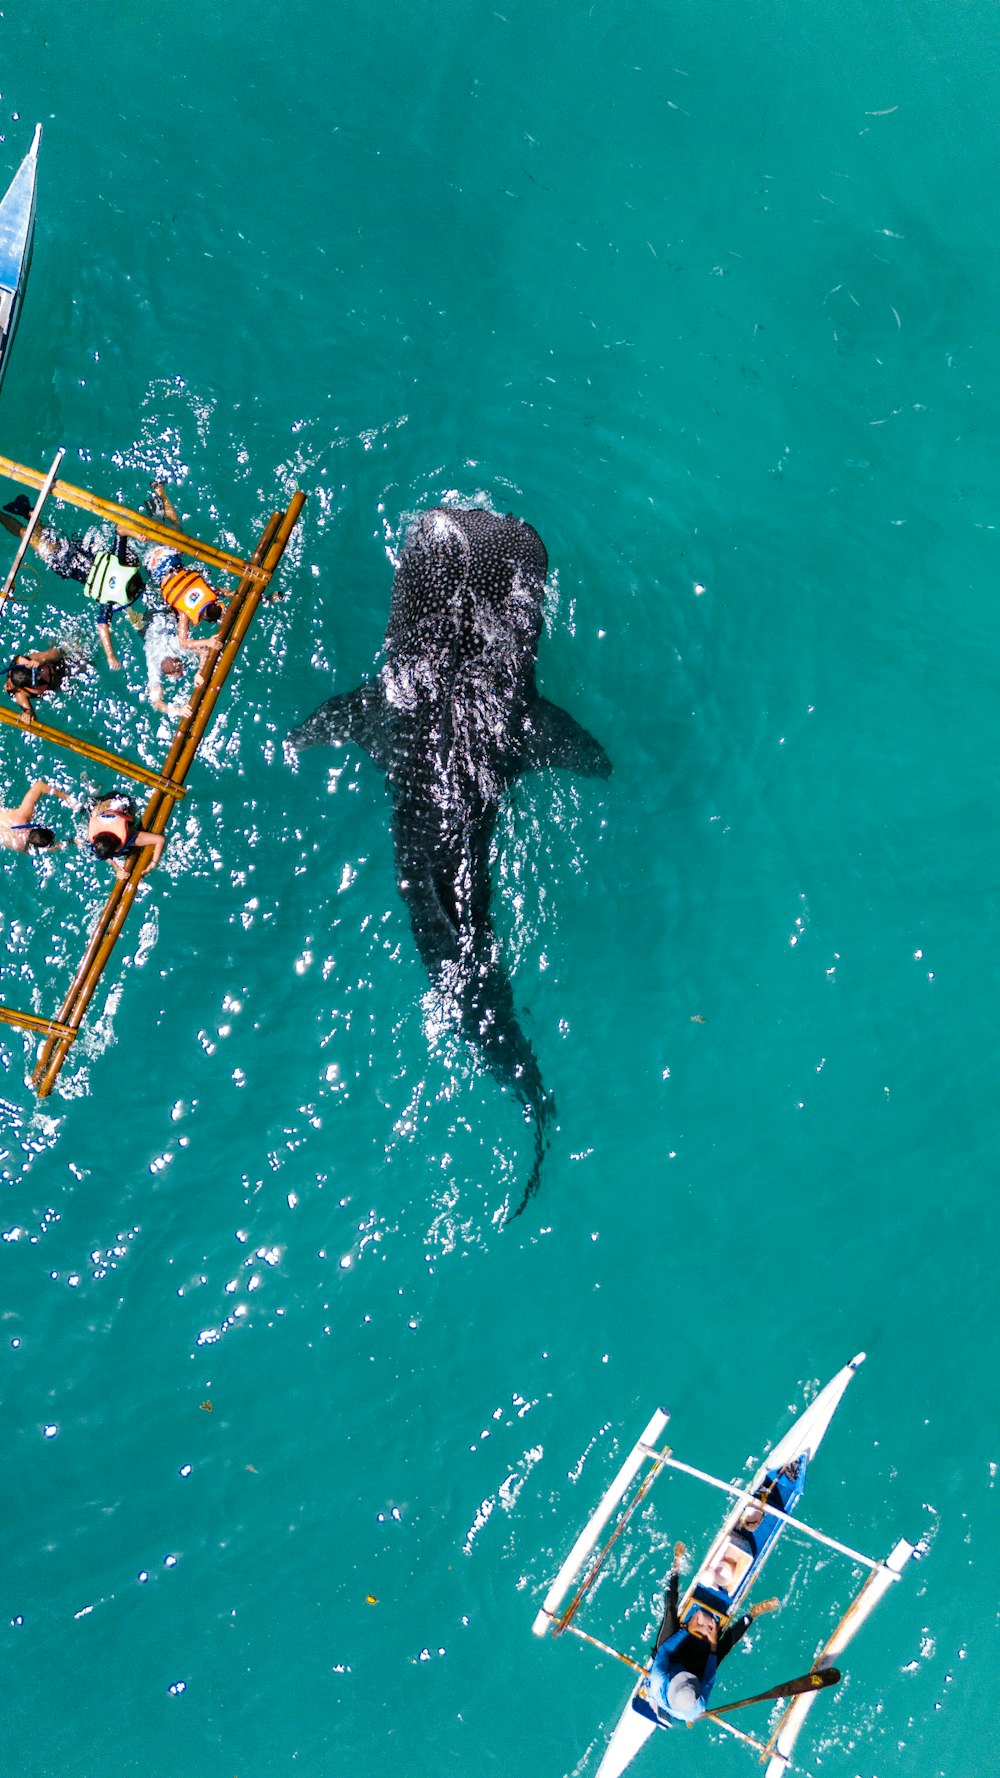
(687, 1656)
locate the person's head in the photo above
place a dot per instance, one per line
(105, 845)
(212, 614)
(18, 676)
(40, 839)
(683, 1697)
(703, 1625)
(171, 667)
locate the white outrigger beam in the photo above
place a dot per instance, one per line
(643, 1451)
(780, 1747)
(775, 1512)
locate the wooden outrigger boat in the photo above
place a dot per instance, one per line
(17, 232)
(724, 1579)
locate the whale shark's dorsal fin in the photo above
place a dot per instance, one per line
(553, 737)
(358, 716)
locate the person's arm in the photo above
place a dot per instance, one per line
(155, 842)
(40, 656)
(169, 509)
(732, 1635)
(104, 631)
(22, 698)
(30, 802)
(154, 688)
(671, 1624)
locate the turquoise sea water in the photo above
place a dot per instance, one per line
(708, 294)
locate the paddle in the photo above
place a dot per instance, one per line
(816, 1681)
(762, 1606)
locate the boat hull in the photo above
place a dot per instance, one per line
(17, 233)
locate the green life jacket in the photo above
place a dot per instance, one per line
(111, 582)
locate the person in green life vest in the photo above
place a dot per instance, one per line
(110, 577)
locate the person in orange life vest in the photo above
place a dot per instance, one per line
(33, 674)
(19, 831)
(114, 834)
(182, 591)
(110, 576)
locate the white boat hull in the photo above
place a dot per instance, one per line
(17, 228)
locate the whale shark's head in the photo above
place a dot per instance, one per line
(468, 589)
(468, 554)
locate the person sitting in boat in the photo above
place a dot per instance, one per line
(19, 832)
(114, 834)
(776, 1491)
(110, 576)
(687, 1657)
(32, 675)
(185, 596)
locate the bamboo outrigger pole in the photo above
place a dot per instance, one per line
(114, 762)
(255, 577)
(30, 1021)
(133, 524)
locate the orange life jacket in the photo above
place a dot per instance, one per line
(188, 592)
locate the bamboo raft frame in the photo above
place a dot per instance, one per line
(168, 784)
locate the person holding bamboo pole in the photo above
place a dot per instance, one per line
(114, 834)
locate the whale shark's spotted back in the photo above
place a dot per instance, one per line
(452, 719)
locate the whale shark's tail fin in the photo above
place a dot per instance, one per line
(540, 1115)
(491, 1025)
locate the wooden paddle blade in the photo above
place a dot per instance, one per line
(762, 1606)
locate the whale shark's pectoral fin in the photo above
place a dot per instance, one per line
(358, 716)
(554, 738)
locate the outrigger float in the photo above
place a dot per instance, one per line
(723, 1580)
(167, 784)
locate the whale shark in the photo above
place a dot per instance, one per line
(453, 718)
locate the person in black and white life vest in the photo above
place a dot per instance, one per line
(110, 577)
